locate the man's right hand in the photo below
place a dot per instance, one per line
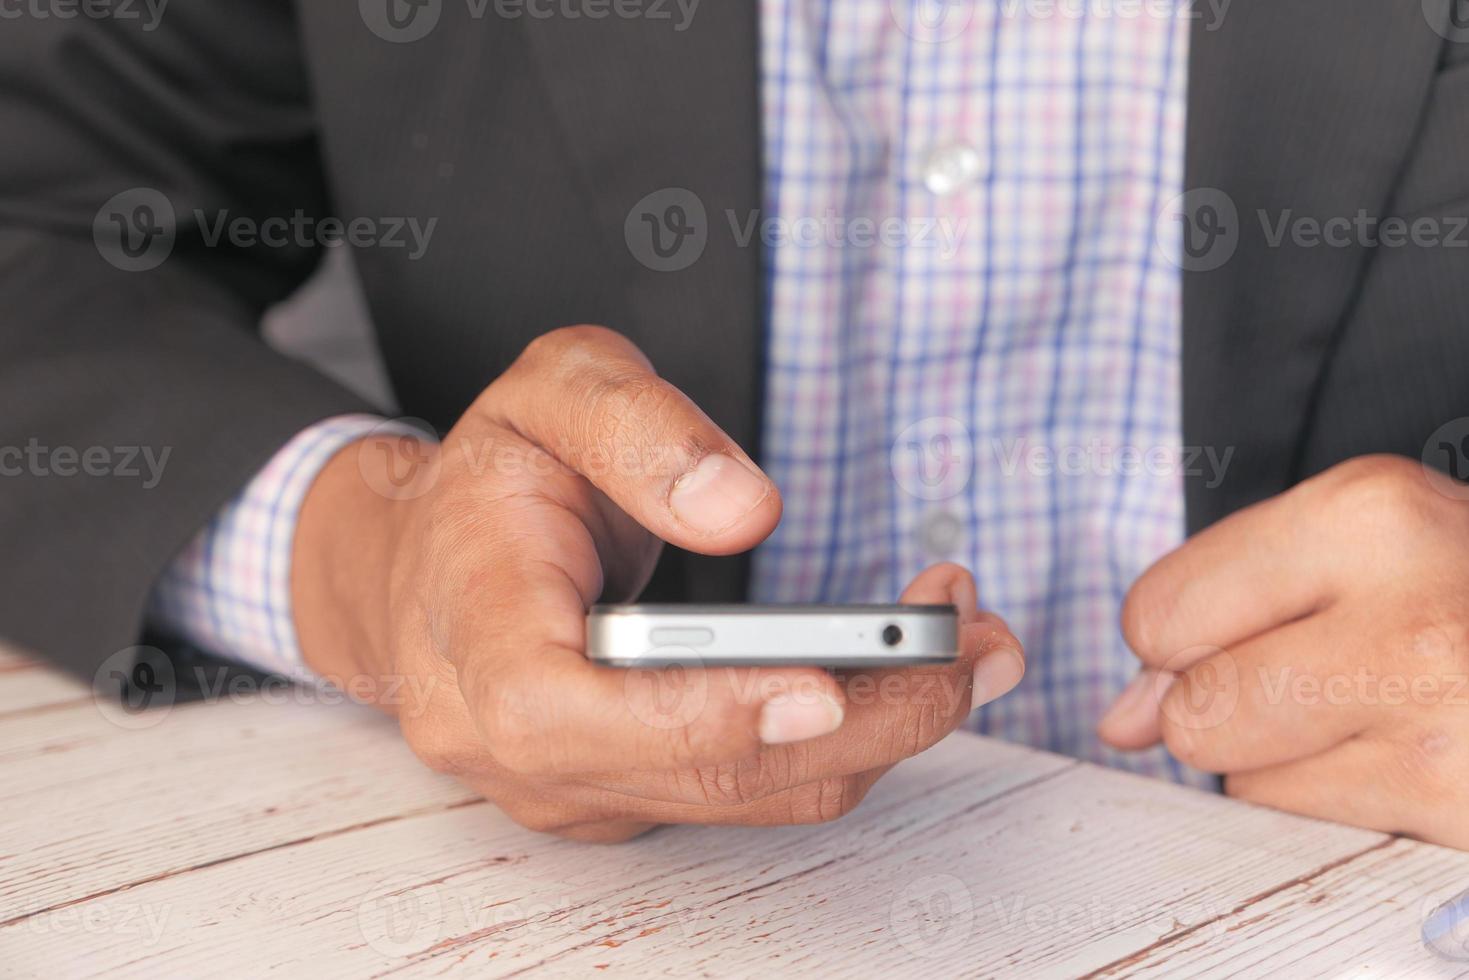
(556, 488)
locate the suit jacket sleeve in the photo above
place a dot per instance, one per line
(115, 347)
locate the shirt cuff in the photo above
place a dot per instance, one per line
(229, 591)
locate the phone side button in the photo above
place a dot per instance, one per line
(681, 636)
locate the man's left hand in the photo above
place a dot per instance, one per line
(1314, 649)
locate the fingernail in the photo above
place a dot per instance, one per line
(997, 673)
(788, 718)
(717, 493)
(1131, 698)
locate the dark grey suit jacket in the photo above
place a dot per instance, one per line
(530, 140)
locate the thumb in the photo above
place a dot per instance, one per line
(589, 397)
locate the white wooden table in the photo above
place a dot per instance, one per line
(253, 838)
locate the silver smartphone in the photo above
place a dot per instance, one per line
(772, 636)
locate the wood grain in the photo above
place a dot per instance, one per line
(252, 835)
(1360, 918)
(93, 806)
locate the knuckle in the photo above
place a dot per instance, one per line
(517, 741)
(1388, 490)
(1183, 746)
(926, 724)
(1438, 646)
(1428, 770)
(723, 786)
(537, 817)
(435, 746)
(512, 713)
(561, 356)
(631, 409)
(1245, 786)
(604, 831)
(538, 355)
(1184, 742)
(552, 346)
(719, 735)
(826, 800)
(739, 783)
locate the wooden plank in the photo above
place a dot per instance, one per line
(12, 657)
(92, 806)
(27, 687)
(29, 684)
(1360, 918)
(1053, 880)
(977, 858)
(330, 904)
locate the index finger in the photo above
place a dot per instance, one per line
(891, 714)
(1252, 571)
(544, 710)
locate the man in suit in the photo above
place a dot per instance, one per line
(1032, 290)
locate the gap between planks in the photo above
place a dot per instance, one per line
(324, 835)
(1113, 968)
(1007, 792)
(409, 815)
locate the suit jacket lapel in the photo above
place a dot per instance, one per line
(662, 117)
(1296, 110)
